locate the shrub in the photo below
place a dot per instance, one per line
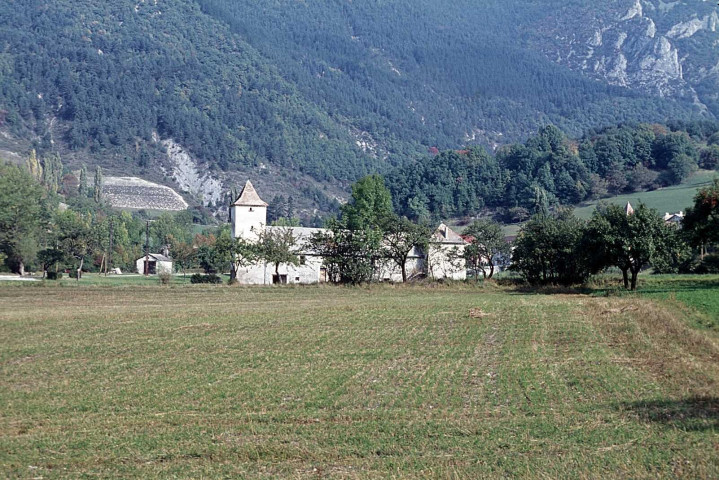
(165, 278)
(54, 275)
(549, 250)
(73, 273)
(211, 278)
(710, 264)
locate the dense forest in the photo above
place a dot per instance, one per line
(102, 77)
(552, 169)
(333, 90)
(441, 73)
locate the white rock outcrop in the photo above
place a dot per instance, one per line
(630, 44)
(691, 27)
(186, 172)
(635, 10)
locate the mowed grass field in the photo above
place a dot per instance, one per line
(433, 381)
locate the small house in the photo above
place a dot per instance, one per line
(156, 263)
(674, 218)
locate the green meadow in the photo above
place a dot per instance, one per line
(421, 381)
(668, 199)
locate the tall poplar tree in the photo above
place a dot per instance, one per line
(97, 188)
(82, 188)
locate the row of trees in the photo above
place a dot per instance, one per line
(366, 233)
(36, 233)
(562, 249)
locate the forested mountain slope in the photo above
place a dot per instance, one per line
(101, 77)
(322, 92)
(443, 73)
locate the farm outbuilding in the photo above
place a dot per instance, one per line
(156, 263)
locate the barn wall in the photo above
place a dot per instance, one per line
(261, 274)
(444, 261)
(161, 267)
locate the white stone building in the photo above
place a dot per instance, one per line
(248, 216)
(443, 260)
(156, 263)
(674, 218)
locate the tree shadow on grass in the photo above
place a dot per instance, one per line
(681, 286)
(604, 286)
(690, 414)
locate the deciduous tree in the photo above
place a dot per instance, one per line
(235, 252)
(74, 235)
(97, 185)
(486, 242)
(350, 256)
(277, 246)
(628, 241)
(82, 188)
(701, 222)
(400, 237)
(370, 204)
(548, 250)
(21, 212)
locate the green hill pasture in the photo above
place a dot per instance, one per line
(669, 199)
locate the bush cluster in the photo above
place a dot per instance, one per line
(708, 264)
(211, 278)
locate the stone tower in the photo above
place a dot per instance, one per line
(249, 214)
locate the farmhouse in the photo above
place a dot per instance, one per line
(674, 218)
(248, 217)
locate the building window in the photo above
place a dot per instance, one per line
(303, 260)
(252, 209)
(297, 279)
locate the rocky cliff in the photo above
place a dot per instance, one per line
(661, 48)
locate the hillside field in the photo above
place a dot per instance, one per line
(439, 381)
(669, 199)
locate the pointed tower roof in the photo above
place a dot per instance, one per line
(629, 210)
(249, 198)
